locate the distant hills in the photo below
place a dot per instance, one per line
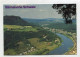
(54, 23)
(44, 20)
(47, 20)
(15, 20)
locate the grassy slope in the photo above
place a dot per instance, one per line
(20, 28)
(41, 46)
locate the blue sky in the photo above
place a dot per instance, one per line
(41, 11)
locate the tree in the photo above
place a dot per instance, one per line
(67, 11)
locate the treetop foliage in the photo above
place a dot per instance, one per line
(67, 11)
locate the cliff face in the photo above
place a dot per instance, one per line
(14, 20)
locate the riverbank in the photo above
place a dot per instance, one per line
(48, 48)
(72, 36)
(73, 50)
(45, 53)
(43, 47)
(66, 44)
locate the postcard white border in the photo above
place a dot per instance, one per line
(2, 2)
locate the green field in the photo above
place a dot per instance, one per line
(19, 28)
(41, 45)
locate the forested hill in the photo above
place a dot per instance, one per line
(15, 20)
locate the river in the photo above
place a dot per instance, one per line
(66, 44)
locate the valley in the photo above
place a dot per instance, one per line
(35, 38)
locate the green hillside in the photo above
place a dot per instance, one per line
(15, 20)
(19, 39)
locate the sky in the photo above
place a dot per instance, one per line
(40, 12)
